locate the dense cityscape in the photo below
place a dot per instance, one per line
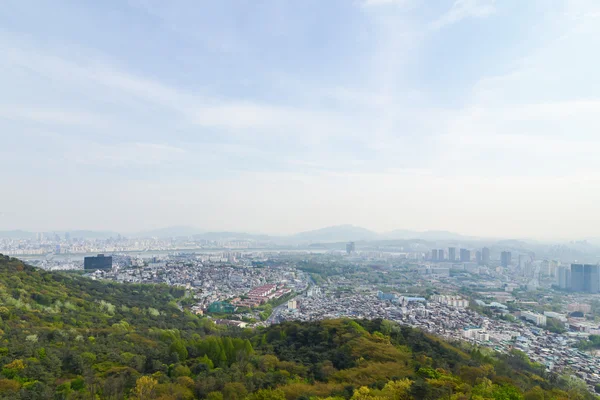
(544, 307)
(300, 200)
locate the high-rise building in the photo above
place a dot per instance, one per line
(594, 277)
(505, 258)
(485, 256)
(478, 257)
(434, 255)
(564, 277)
(452, 253)
(441, 255)
(98, 262)
(536, 318)
(523, 261)
(465, 255)
(553, 267)
(350, 247)
(591, 278)
(577, 278)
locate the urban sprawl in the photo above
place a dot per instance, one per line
(543, 307)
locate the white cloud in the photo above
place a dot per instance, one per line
(99, 79)
(371, 3)
(50, 116)
(462, 9)
(127, 155)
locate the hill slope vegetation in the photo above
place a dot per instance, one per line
(63, 336)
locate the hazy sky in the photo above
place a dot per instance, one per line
(475, 116)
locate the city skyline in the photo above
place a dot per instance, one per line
(475, 116)
(351, 232)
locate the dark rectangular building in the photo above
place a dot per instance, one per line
(98, 262)
(485, 256)
(564, 277)
(452, 253)
(465, 255)
(350, 247)
(577, 279)
(505, 258)
(591, 276)
(585, 278)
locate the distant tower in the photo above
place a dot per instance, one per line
(585, 278)
(478, 258)
(350, 247)
(577, 279)
(505, 258)
(591, 274)
(564, 277)
(452, 253)
(485, 256)
(434, 255)
(465, 255)
(441, 255)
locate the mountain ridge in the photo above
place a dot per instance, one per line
(328, 234)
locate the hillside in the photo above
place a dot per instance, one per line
(340, 233)
(67, 337)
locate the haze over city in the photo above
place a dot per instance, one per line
(300, 200)
(472, 116)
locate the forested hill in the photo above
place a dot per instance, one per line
(63, 336)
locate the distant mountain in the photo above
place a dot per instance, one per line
(444, 235)
(17, 234)
(169, 232)
(331, 234)
(199, 234)
(339, 233)
(89, 234)
(512, 244)
(82, 234)
(232, 236)
(425, 235)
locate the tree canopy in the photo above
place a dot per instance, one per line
(63, 336)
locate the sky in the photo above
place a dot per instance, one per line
(277, 116)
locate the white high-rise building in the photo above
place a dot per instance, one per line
(476, 333)
(537, 319)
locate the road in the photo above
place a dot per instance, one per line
(273, 318)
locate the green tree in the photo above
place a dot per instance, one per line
(267, 394)
(145, 388)
(535, 393)
(178, 347)
(215, 396)
(234, 391)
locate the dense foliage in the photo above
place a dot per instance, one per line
(68, 337)
(593, 342)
